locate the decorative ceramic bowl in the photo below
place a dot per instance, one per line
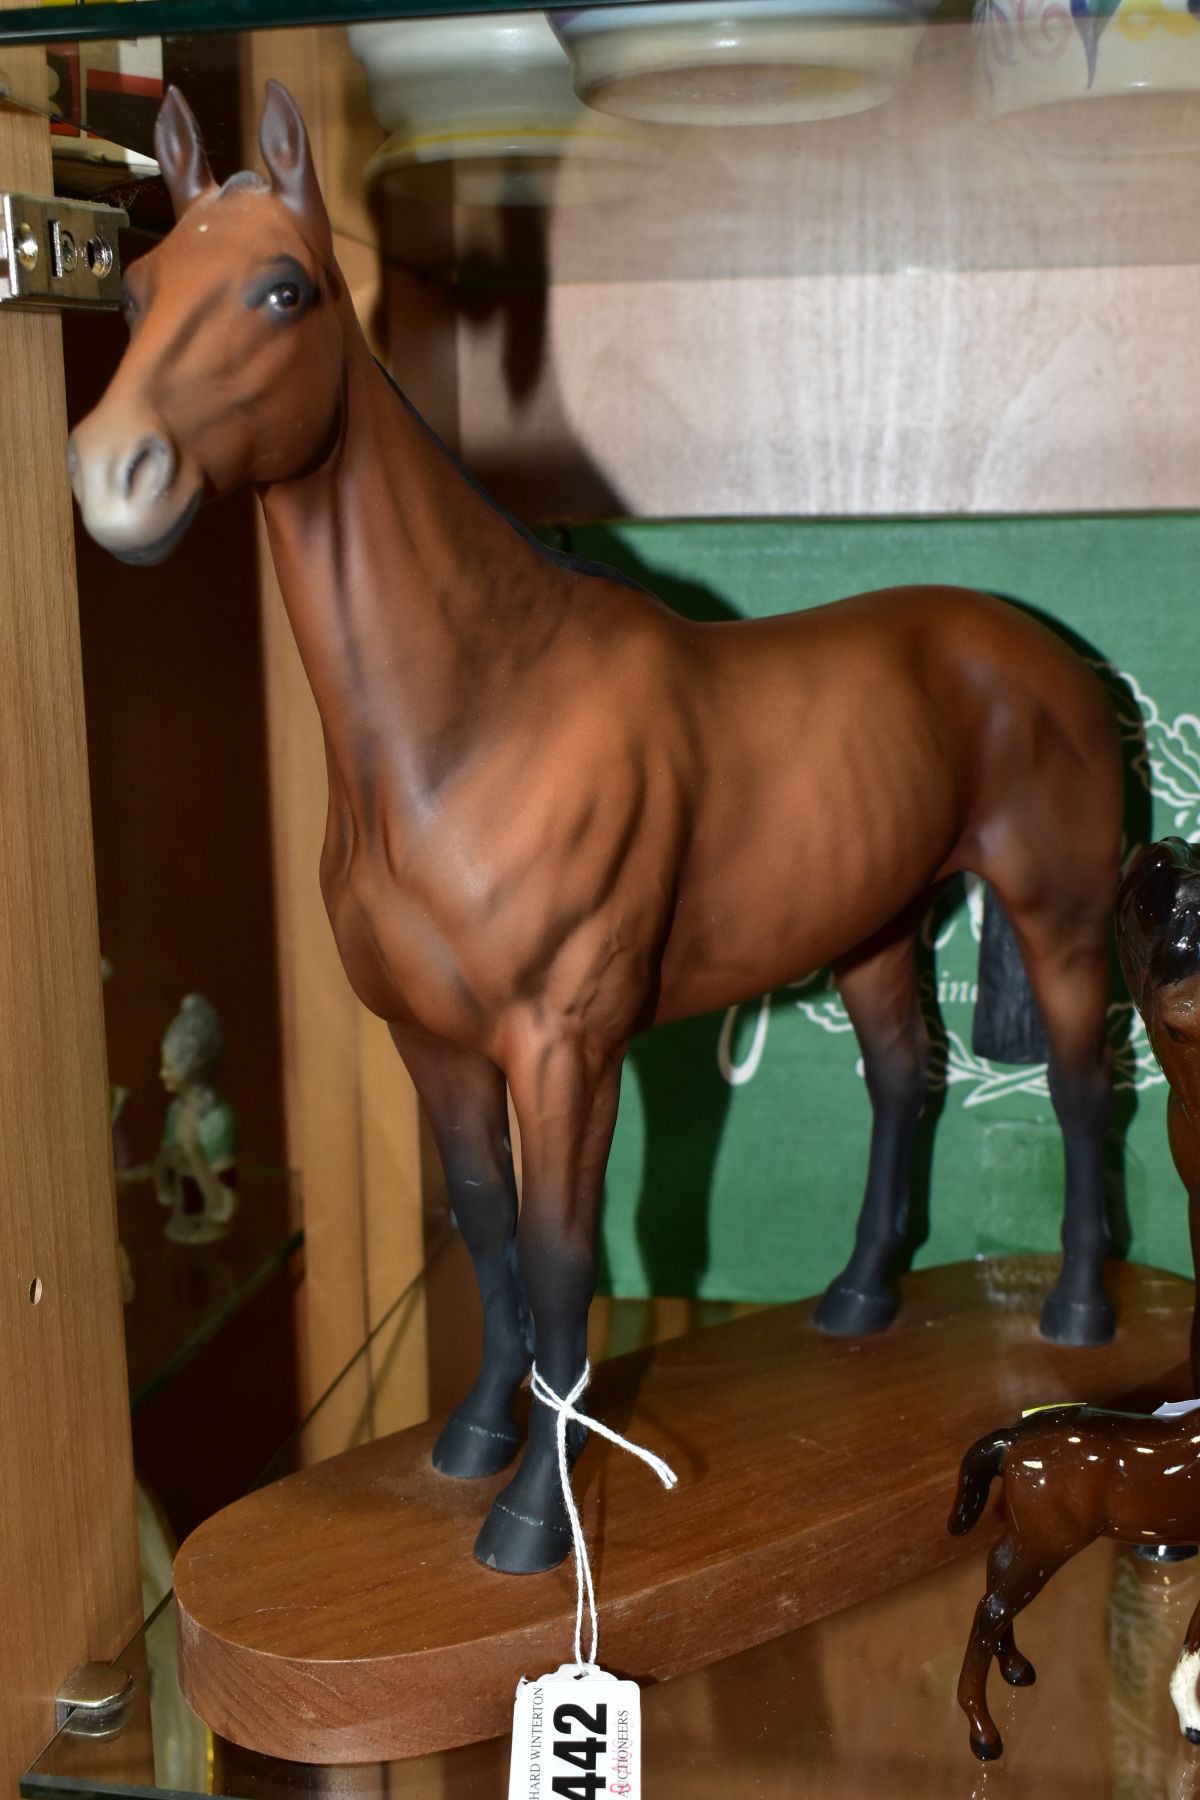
(741, 62)
(481, 110)
(1135, 63)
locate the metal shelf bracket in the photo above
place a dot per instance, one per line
(95, 1701)
(60, 253)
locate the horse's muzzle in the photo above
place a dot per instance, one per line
(131, 491)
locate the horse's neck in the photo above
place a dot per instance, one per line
(413, 599)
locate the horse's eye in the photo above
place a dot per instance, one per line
(284, 297)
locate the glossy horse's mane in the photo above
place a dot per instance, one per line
(1176, 954)
(1159, 910)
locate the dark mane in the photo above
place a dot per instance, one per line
(564, 559)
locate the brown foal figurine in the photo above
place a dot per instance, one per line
(1158, 930)
(1072, 1474)
(560, 814)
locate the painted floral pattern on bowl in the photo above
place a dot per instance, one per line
(1043, 31)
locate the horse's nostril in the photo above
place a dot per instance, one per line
(133, 465)
(148, 472)
(1192, 1734)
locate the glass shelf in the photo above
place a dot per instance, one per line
(1020, 142)
(442, 1301)
(104, 18)
(165, 1748)
(184, 1293)
(860, 1703)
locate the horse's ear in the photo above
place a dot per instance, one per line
(179, 149)
(284, 144)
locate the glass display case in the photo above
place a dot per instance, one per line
(930, 275)
(766, 302)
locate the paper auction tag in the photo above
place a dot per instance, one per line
(576, 1737)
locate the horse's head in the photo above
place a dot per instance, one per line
(234, 369)
(1158, 929)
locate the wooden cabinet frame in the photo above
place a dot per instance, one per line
(68, 1552)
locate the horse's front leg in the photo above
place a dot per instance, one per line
(465, 1100)
(1016, 1669)
(986, 1741)
(565, 1089)
(1016, 1573)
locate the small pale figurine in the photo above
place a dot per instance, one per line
(195, 1172)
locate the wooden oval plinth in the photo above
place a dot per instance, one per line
(338, 1616)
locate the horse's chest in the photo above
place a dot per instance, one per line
(496, 907)
(432, 938)
(395, 950)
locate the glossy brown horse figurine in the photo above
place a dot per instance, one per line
(1158, 931)
(1072, 1474)
(560, 814)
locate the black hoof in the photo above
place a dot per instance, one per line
(517, 1545)
(1192, 1734)
(989, 1751)
(466, 1450)
(1020, 1673)
(843, 1312)
(1080, 1323)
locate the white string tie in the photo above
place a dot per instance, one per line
(566, 1411)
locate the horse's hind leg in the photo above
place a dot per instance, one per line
(1065, 949)
(986, 1741)
(878, 984)
(465, 1099)
(1016, 1573)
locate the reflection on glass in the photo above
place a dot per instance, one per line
(1042, 137)
(183, 1293)
(861, 1703)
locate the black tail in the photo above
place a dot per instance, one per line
(1007, 1026)
(980, 1466)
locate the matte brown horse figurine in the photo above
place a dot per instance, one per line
(1072, 1474)
(1158, 931)
(560, 814)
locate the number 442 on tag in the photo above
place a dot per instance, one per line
(576, 1737)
